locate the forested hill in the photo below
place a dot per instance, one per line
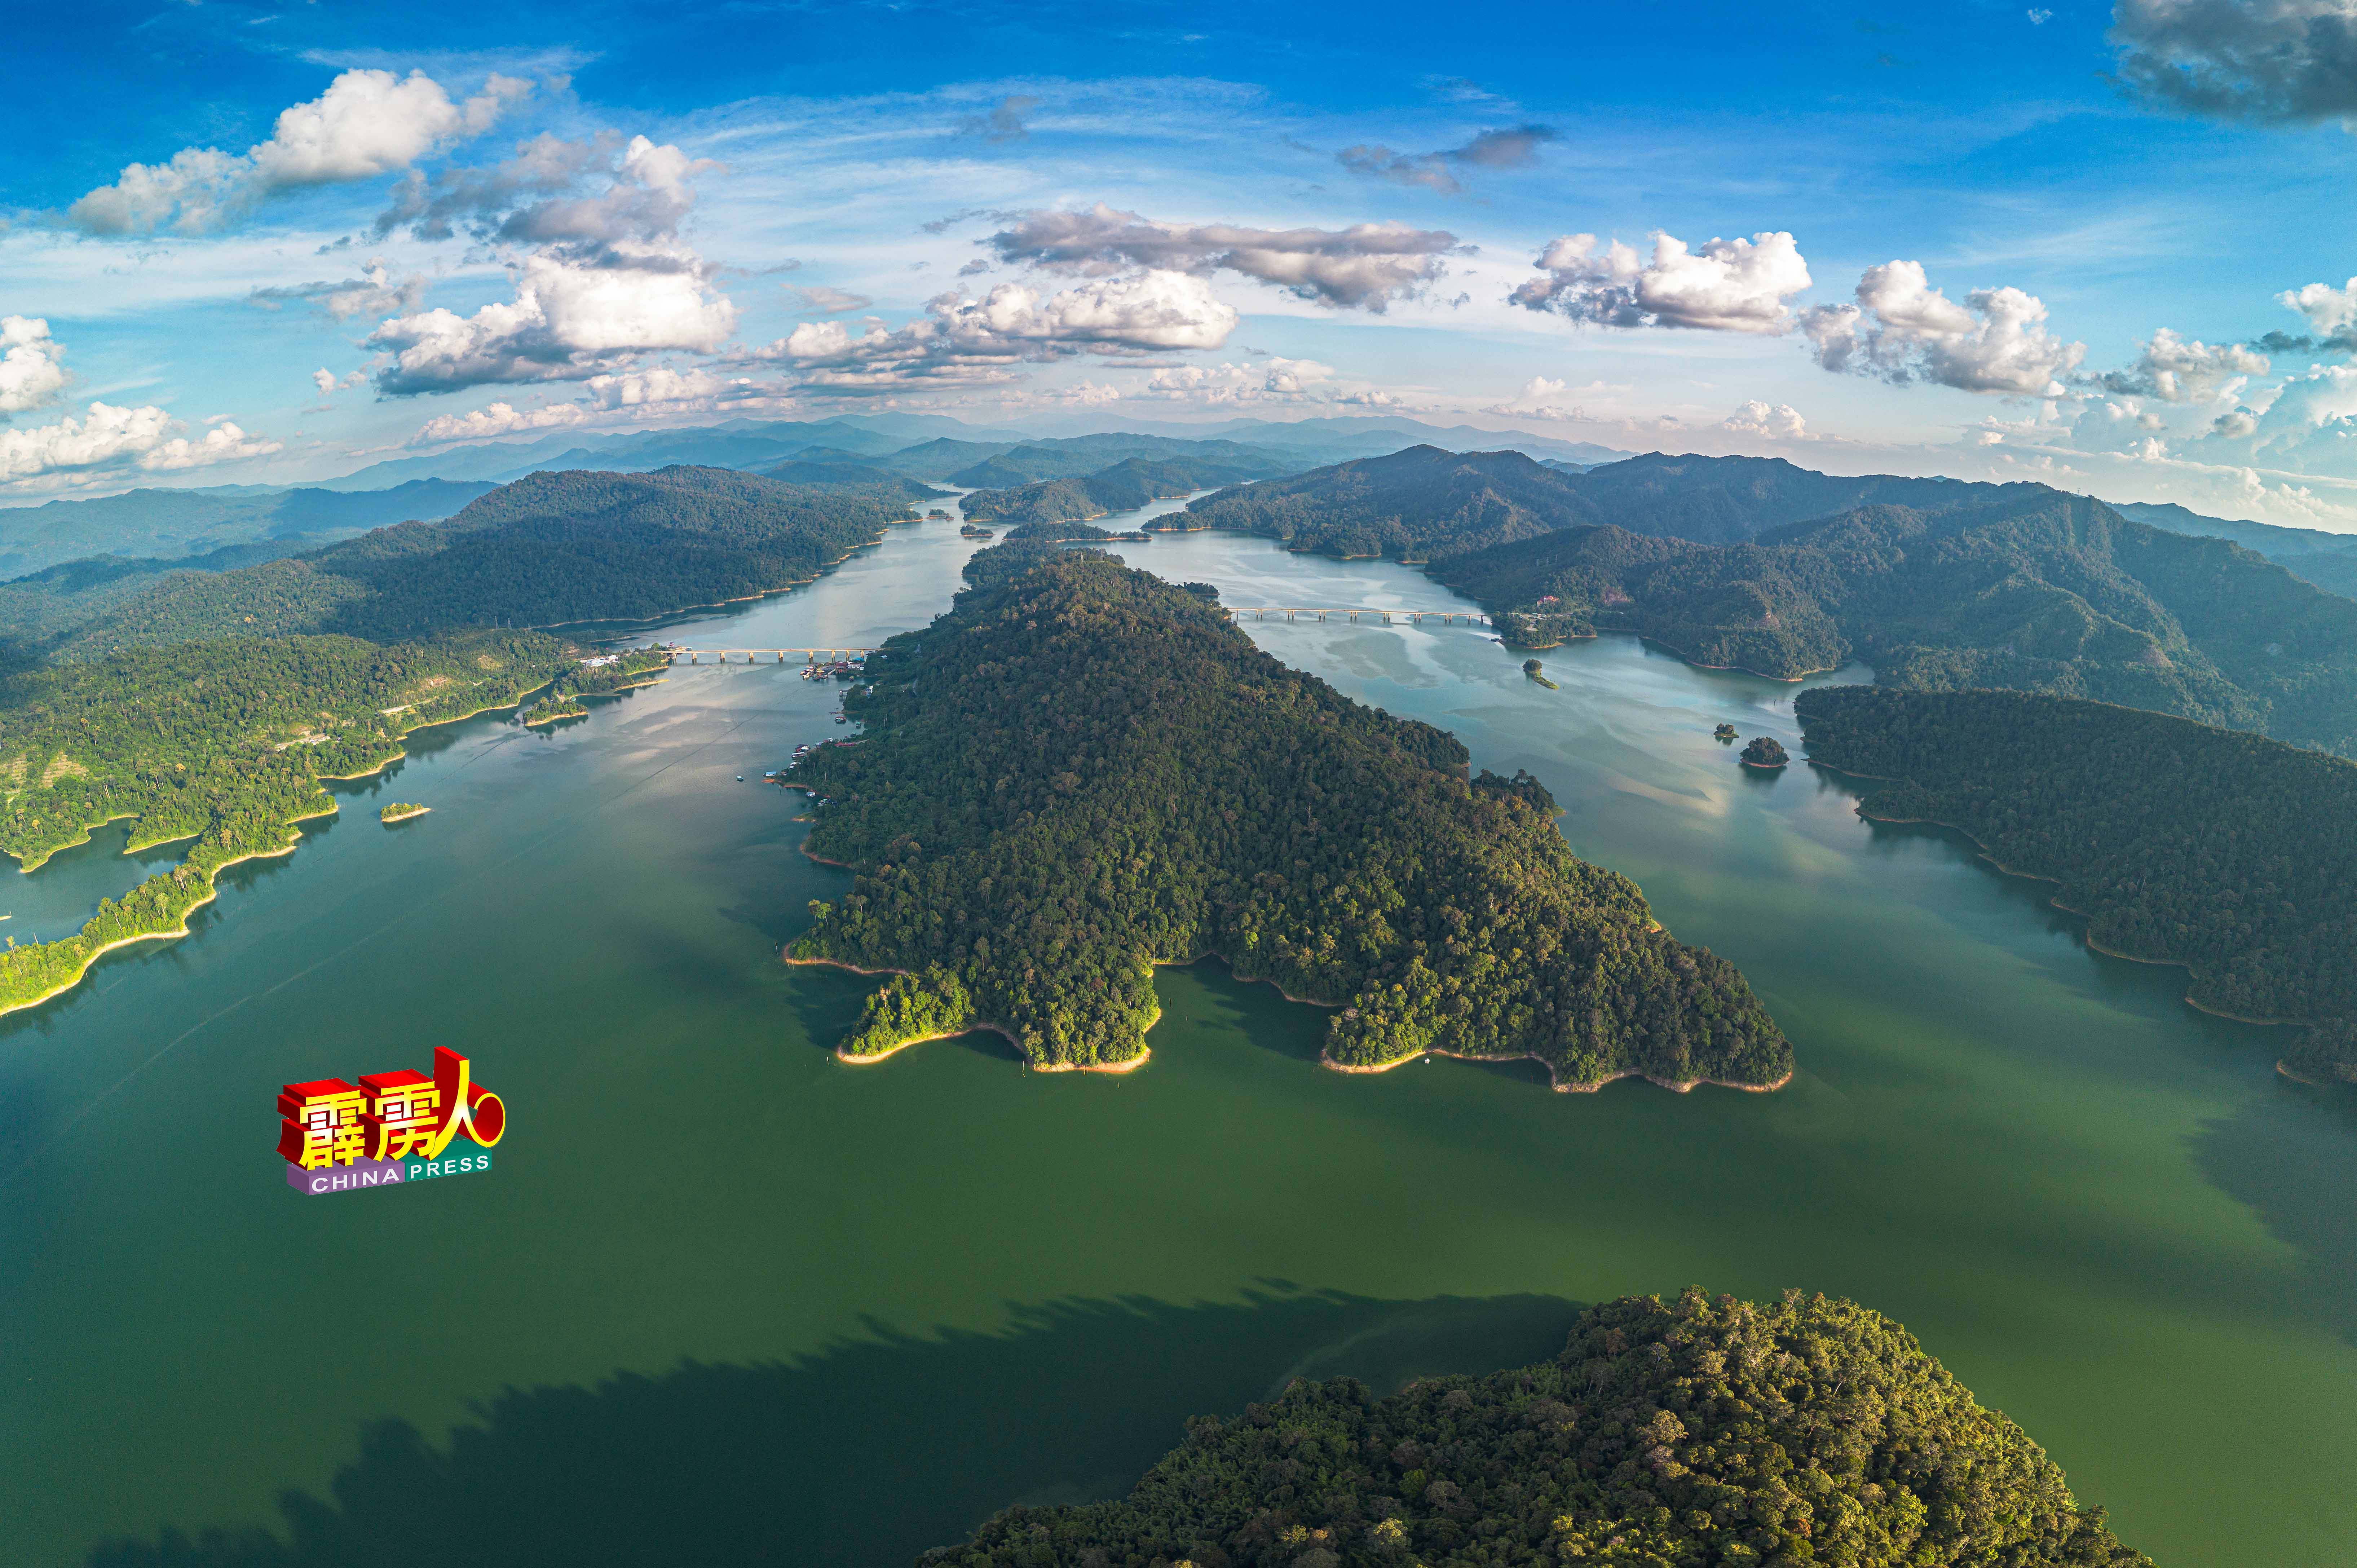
(548, 550)
(2230, 854)
(1127, 485)
(1083, 769)
(2036, 590)
(1423, 503)
(1667, 1434)
(877, 484)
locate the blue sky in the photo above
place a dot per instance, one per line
(1992, 241)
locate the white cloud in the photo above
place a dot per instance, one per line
(498, 419)
(1361, 267)
(30, 373)
(373, 293)
(2332, 312)
(968, 340)
(1508, 147)
(1729, 285)
(368, 122)
(1904, 331)
(660, 385)
(2176, 371)
(818, 299)
(109, 436)
(325, 379)
(2264, 60)
(1780, 421)
(2318, 410)
(1275, 379)
(569, 321)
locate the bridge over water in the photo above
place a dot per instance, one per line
(770, 655)
(1359, 612)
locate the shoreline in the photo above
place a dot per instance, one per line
(2086, 934)
(1675, 1086)
(212, 891)
(978, 1027)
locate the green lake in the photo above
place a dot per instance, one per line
(725, 1300)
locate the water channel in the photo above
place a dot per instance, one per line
(725, 1300)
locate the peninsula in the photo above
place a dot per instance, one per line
(1699, 1430)
(2232, 854)
(1083, 771)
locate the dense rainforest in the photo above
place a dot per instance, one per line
(1082, 771)
(1422, 503)
(1702, 1433)
(546, 551)
(1125, 486)
(877, 484)
(2232, 854)
(224, 743)
(2030, 589)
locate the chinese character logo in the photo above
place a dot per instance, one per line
(388, 1116)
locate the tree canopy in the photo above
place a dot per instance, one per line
(1082, 771)
(1701, 1433)
(2232, 854)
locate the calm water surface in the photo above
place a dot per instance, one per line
(724, 1299)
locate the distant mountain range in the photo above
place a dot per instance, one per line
(165, 523)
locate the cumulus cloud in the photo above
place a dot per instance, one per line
(818, 299)
(30, 372)
(1780, 421)
(368, 122)
(1361, 267)
(608, 282)
(2318, 410)
(2332, 315)
(373, 293)
(569, 321)
(1005, 121)
(2176, 371)
(2270, 61)
(1275, 380)
(545, 196)
(498, 419)
(1729, 285)
(109, 437)
(961, 340)
(1904, 331)
(1512, 147)
(325, 379)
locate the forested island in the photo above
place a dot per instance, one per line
(1127, 485)
(1702, 1430)
(401, 812)
(2232, 854)
(1082, 771)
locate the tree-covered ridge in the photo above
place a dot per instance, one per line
(1083, 771)
(548, 550)
(1124, 486)
(1006, 467)
(1422, 503)
(2033, 590)
(223, 744)
(880, 485)
(2232, 854)
(1696, 1434)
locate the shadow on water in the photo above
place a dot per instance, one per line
(2285, 1155)
(863, 1454)
(1260, 1010)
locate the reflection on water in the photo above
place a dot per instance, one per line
(2101, 1208)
